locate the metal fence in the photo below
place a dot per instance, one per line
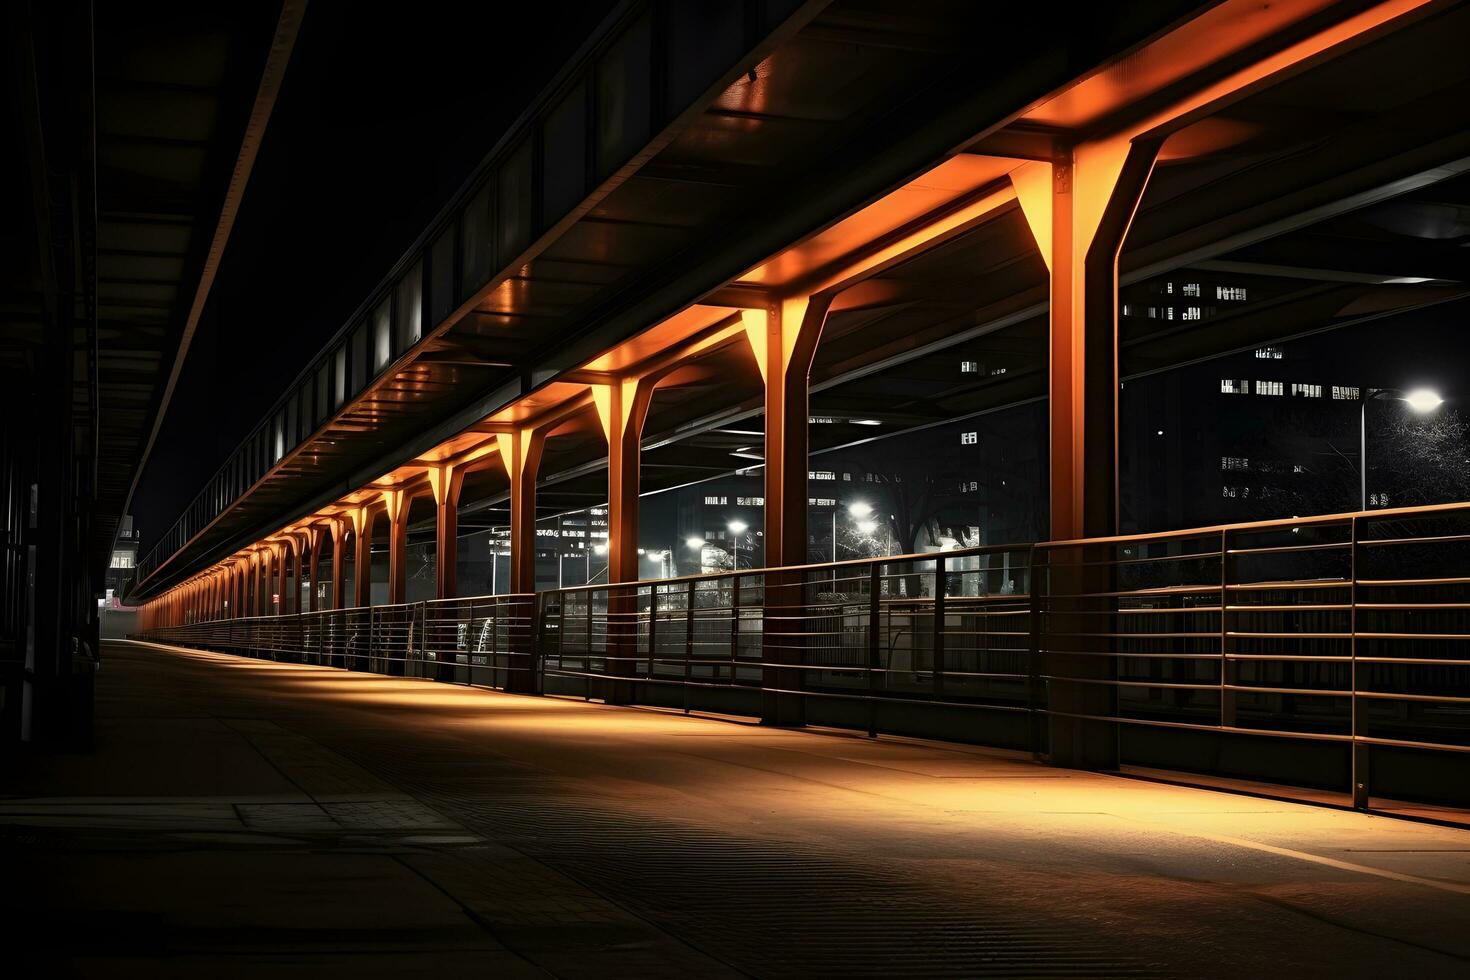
(486, 640)
(1343, 634)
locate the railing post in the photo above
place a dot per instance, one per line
(1035, 692)
(875, 612)
(1360, 762)
(941, 563)
(734, 626)
(1227, 696)
(688, 642)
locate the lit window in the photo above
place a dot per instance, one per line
(1345, 392)
(1268, 353)
(715, 501)
(969, 438)
(1191, 289)
(820, 475)
(1306, 390)
(1270, 388)
(1230, 386)
(969, 367)
(1191, 313)
(1235, 293)
(1234, 463)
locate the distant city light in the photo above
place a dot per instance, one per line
(865, 422)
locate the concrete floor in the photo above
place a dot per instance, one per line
(241, 817)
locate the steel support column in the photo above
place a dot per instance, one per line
(520, 454)
(362, 537)
(339, 555)
(622, 408)
(1079, 210)
(314, 542)
(784, 339)
(396, 505)
(446, 481)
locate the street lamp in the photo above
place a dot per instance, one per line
(858, 510)
(1420, 400)
(737, 528)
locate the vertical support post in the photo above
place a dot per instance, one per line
(622, 408)
(283, 577)
(1079, 209)
(784, 340)
(397, 507)
(688, 641)
(520, 454)
(362, 538)
(446, 481)
(339, 556)
(300, 544)
(314, 541)
(875, 620)
(1361, 777)
(1227, 696)
(941, 566)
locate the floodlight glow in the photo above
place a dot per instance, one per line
(860, 510)
(694, 542)
(600, 549)
(1423, 400)
(867, 527)
(737, 527)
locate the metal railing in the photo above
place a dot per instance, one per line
(1344, 632)
(485, 641)
(869, 632)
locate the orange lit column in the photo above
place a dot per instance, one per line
(257, 577)
(396, 505)
(314, 542)
(339, 553)
(362, 575)
(262, 574)
(1079, 210)
(299, 545)
(622, 408)
(784, 340)
(446, 482)
(283, 577)
(520, 454)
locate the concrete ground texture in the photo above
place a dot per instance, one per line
(249, 818)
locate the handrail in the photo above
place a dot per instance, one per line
(900, 642)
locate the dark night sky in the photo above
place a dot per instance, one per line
(379, 120)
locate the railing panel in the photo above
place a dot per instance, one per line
(1349, 632)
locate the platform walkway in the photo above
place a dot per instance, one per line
(241, 817)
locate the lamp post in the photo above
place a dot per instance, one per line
(1420, 400)
(737, 528)
(858, 510)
